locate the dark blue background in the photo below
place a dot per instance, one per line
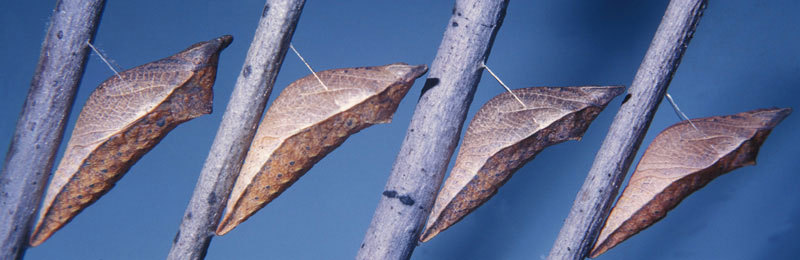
(745, 55)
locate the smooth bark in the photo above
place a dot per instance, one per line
(593, 202)
(245, 108)
(40, 127)
(434, 130)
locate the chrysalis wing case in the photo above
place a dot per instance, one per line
(122, 120)
(504, 135)
(306, 122)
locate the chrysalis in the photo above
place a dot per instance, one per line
(122, 120)
(504, 135)
(681, 160)
(306, 122)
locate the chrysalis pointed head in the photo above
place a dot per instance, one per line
(604, 94)
(769, 118)
(403, 70)
(205, 52)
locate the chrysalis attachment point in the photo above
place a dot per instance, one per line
(308, 66)
(483, 64)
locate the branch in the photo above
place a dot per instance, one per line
(41, 124)
(591, 206)
(253, 87)
(434, 130)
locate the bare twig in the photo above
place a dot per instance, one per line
(253, 87)
(40, 126)
(612, 161)
(434, 130)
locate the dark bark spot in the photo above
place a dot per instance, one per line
(264, 12)
(429, 84)
(246, 71)
(455, 24)
(390, 194)
(161, 122)
(212, 198)
(291, 163)
(177, 235)
(628, 96)
(60, 34)
(406, 200)
(189, 215)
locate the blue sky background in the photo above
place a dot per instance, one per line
(745, 55)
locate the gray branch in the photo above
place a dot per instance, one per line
(434, 130)
(253, 87)
(41, 124)
(591, 206)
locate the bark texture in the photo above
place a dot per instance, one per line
(44, 115)
(434, 130)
